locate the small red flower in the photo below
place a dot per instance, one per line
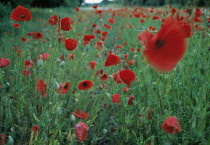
(127, 76)
(35, 128)
(23, 39)
(2, 139)
(104, 77)
(43, 56)
(95, 6)
(131, 62)
(92, 64)
(81, 131)
(42, 87)
(71, 44)
(171, 125)
(85, 85)
(28, 63)
(104, 33)
(53, 20)
(130, 100)
(112, 60)
(80, 114)
(111, 21)
(71, 56)
(63, 88)
(117, 78)
(116, 98)
(99, 45)
(4, 62)
(16, 25)
(21, 14)
(38, 35)
(65, 24)
(26, 72)
(76, 9)
(88, 37)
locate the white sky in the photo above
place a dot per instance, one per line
(93, 1)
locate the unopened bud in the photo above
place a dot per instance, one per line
(40, 62)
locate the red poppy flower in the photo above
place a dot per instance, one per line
(16, 25)
(28, 63)
(131, 62)
(99, 11)
(92, 64)
(42, 87)
(112, 60)
(21, 14)
(53, 20)
(43, 56)
(35, 128)
(81, 131)
(80, 114)
(71, 44)
(127, 76)
(26, 72)
(71, 56)
(116, 98)
(117, 78)
(104, 33)
(85, 85)
(142, 20)
(65, 24)
(63, 88)
(155, 17)
(99, 45)
(95, 6)
(104, 77)
(130, 100)
(88, 37)
(166, 48)
(111, 21)
(125, 89)
(38, 35)
(2, 139)
(171, 125)
(76, 9)
(4, 62)
(23, 39)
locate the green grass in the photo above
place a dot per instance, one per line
(183, 92)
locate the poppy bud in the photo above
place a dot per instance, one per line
(56, 85)
(73, 118)
(10, 140)
(40, 62)
(105, 131)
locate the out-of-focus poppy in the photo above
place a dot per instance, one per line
(42, 87)
(81, 131)
(117, 78)
(23, 39)
(38, 35)
(28, 63)
(104, 77)
(35, 128)
(26, 72)
(95, 6)
(125, 89)
(99, 45)
(80, 114)
(21, 14)
(130, 100)
(85, 85)
(112, 60)
(88, 37)
(71, 56)
(127, 76)
(16, 25)
(111, 21)
(2, 139)
(92, 64)
(53, 20)
(65, 24)
(71, 44)
(63, 88)
(116, 98)
(131, 62)
(4, 62)
(43, 56)
(171, 125)
(76, 9)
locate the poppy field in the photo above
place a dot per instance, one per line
(131, 75)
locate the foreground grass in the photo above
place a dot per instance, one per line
(184, 92)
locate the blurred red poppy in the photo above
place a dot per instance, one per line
(65, 24)
(53, 20)
(117, 78)
(88, 37)
(80, 114)
(112, 60)
(71, 44)
(16, 25)
(38, 35)
(21, 14)
(104, 77)
(116, 98)
(35, 128)
(63, 88)
(76, 9)
(171, 125)
(81, 131)
(85, 85)
(26, 72)
(160, 52)
(130, 100)
(127, 76)
(92, 64)
(42, 87)
(111, 21)
(43, 56)
(23, 39)
(125, 89)
(28, 63)
(71, 56)
(2, 139)
(4, 62)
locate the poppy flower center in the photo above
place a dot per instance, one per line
(159, 43)
(22, 16)
(85, 84)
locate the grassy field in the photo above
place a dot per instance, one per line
(36, 107)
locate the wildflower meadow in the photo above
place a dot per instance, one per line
(114, 76)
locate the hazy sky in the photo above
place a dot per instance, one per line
(93, 1)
